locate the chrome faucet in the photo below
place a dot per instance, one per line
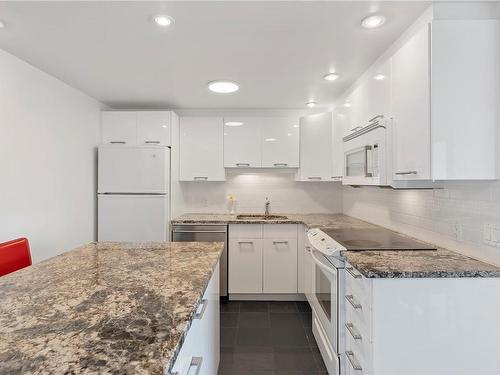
(268, 203)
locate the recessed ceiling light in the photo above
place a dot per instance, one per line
(379, 77)
(347, 104)
(331, 76)
(233, 123)
(270, 139)
(223, 87)
(163, 20)
(373, 21)
(311, 104)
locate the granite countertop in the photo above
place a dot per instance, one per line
(103, 308)
(309, 220)
(372, 264)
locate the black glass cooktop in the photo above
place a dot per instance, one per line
(375, 239)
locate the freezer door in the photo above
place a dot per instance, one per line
(133, 218)
(126, 169)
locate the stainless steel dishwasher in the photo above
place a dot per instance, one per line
(205, 233)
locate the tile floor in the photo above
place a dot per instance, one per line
(268, 338)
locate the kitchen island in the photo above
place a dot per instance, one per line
(104, 308)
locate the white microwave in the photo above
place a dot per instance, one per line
(367, 155)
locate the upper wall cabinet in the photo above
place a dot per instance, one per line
(261, 142)
(410, 107)
(280, 146)
(320, 149)
(242, 142)
(137, 128)
(201, 149)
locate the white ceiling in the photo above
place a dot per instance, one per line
(277, 51)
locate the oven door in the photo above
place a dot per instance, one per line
(324, 296)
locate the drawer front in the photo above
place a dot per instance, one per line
(358, 285)
(245, 231)
(280, 231)
(361, 347)
(359, 313)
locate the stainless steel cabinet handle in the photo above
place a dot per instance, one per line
(352, 301)
(153, 142)
(352, 273)
(280, 242)
(242, 164)
(314, 178)
(200, 178)
(198, 231)
(280, 164)
(354, 333)
(245, 242)
(195, 362)
(352, 360)
(336, 176)
(308, 249)
(406, 172)
(117, 142)
(200, 311)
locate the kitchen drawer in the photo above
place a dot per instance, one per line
(361, 347)
(280, 230)
(352, 364)
(245, 231)
(359, 313)
(358, 285)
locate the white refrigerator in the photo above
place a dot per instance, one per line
(133, 193)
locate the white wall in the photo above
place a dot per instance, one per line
(48, 135)
(437, 216)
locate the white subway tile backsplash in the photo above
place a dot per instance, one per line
(452, 217)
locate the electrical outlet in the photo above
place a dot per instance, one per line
(457, 231)
(491, 234)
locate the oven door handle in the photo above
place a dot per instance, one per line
(330, 270)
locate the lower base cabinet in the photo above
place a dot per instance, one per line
(200, 352)
(262, 258)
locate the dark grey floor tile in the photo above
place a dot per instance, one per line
(254, 320)
(230, 306)
(284, 336)
(295, 359)
(303, 306)
(253, 359)
(319, 360)
(283, 306)
(285, 320)
(229, 319)
(306, 319)
(254, 306)
(311, 339)
(251, 336)
(227, 336)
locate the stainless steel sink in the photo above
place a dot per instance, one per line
(261, 217)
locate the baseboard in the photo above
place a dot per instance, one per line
(267, 297)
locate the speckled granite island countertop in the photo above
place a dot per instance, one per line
(372, 264)
(106, 308)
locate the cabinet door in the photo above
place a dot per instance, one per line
(119, 127)
(316, 147)
(411, 108)
(201, 149)
(153, 127)
(280, 142)
(280, 265)
(245, 265)
(242, 142)
(377, 93)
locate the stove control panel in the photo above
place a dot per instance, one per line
(323, 242)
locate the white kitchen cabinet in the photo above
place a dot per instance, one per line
(201, 149)
(465, 108)
(119, 127)
(394, 325)
(280, 142)
(245, 265)
(263, 259)
(153, 127)
(319, 160)
(200, 351)
(411, 108)
(242, 143)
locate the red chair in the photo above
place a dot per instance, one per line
(14, 255)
